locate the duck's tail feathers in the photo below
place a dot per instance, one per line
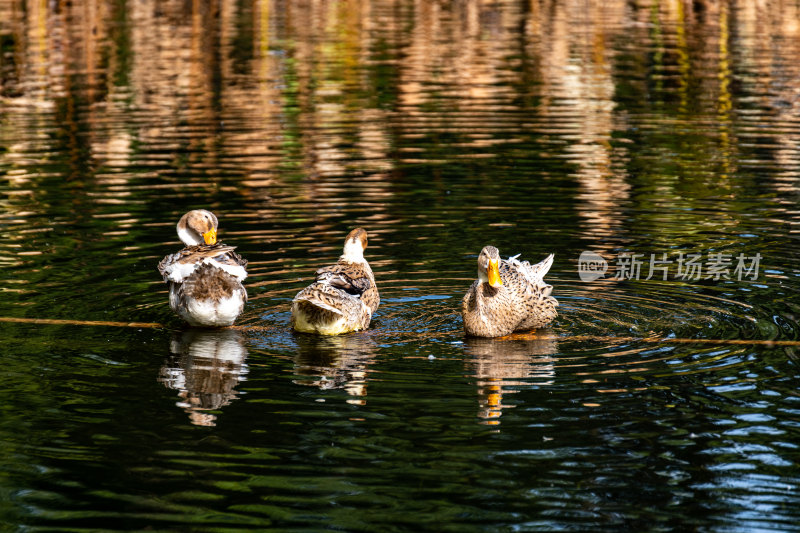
(317, 302)
(533, 273)
(542, 268)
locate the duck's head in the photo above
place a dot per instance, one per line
(198, 227)
(354, 246)
(489, 266)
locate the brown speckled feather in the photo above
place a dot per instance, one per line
(354, 278)
(194, 254)
(207, 283)
(343, 296)
(522, 302)
(324, 304)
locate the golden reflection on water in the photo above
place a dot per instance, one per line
(177, 49)
(501, 366)
(260, 87)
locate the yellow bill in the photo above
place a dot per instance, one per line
(494, 274)
(210, 236)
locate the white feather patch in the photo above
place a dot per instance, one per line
(237, 271)
(186, 237)
(213, 313)
(353, 252)
(177, 272)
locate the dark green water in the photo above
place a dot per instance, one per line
(440, 127)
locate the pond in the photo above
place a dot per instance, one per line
(653, 147)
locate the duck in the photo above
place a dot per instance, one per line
(343, 296)
(205, 278)
(508, 296)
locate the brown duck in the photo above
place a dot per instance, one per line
(205, 278)
(344, 295)
(508, 296)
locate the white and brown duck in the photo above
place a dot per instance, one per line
(205, 278)
(343, 297)
(508, 296)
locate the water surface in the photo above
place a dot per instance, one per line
(619, 128)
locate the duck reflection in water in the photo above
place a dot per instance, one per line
(340, 362)
(205, 367)
(501, 366)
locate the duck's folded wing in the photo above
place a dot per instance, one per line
(321, 295)
(351, 280)
(354, 286)
(166, 265)
(180, 265)
(225, 255)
